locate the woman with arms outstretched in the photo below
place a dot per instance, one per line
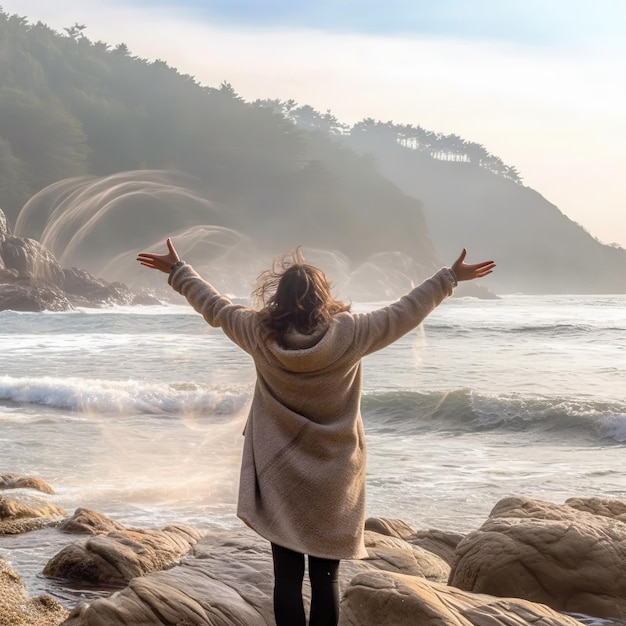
(302, 482)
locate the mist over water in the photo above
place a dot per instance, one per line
(100, 224)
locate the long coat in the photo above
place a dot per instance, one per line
(302, 482)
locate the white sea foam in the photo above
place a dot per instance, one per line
(86, 395)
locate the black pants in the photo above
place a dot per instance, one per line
(288, 577)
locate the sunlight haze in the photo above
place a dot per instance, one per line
(536, 83)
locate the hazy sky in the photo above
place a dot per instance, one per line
(540, 83)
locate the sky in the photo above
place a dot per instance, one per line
(539, 83)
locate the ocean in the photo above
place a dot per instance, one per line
(138, 413)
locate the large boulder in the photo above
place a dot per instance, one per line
(24, 297)
(440, 543)
(608, 507)
(31, 279)
(572, 560)
(375, 598)
(87, 290)
(30, 258)
(113, 555)
(393, 554)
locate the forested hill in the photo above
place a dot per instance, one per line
(275, 172)
(71, 107)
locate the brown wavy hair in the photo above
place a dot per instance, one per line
(295, 295)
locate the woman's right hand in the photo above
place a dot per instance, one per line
(161, 262)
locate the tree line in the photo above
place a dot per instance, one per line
(72, 107)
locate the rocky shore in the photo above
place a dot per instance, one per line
(31, 279)
(531, 562)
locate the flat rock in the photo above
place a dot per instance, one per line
(229, 580)
(375, 598)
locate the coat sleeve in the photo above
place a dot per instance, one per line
(379, 328)
(238, 322)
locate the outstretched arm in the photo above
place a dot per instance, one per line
(464, 271)
(379, 328)
(238, 322)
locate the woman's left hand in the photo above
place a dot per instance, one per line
(464, 271)
(161, 262)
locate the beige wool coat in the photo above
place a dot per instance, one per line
(302, 483)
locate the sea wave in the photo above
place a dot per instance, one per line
(548, 418)
(120, 397)
(463, 411)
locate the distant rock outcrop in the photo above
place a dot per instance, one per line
(31, 279)
(538, 249)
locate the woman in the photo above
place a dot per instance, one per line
(302, 483)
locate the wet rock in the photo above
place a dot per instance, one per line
(31, 258)
(31, 279)
(145, 299)
(375, 598)
(87, 290)
(17, 609)
(88, 522)
(23, 512)
(23, 297)
(17, 481)
(569, 559)
(113, 555)
(5, 231)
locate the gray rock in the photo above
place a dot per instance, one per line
(32, 259)
(23, 297)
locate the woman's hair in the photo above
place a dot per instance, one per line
(295, 295)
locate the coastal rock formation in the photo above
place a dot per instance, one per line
(229, 581)
(31, 279)
(113, 555)
(375, 598)
(440, 543)
(17, 609)
(571, 556)
(615, 509)
(22, 512)
(570, 559)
